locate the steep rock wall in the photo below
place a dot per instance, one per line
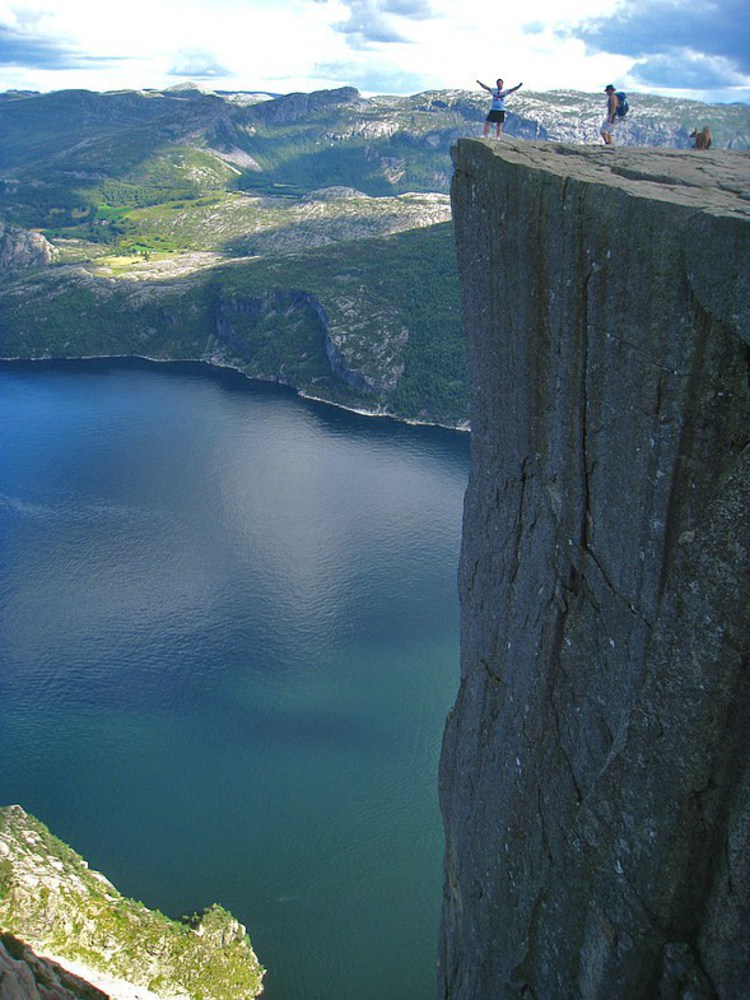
(594, 780)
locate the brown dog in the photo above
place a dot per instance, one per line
(703, 139)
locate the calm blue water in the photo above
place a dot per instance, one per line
(228, 641)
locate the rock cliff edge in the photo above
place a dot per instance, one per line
(594, 780)
(64, 927)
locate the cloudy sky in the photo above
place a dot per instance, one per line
(672, 47)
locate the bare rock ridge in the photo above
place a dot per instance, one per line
(594, 781)
(19, 248)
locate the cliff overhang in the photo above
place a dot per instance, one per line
(594, 779)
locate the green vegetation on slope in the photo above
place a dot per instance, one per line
(370, 290)
(274, 318)
(51, 900)
(154, 197)
(245, 225)
(67, 153)
(376, 164)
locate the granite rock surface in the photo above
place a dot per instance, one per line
(594, 778)
(20, 248)
(26, 976)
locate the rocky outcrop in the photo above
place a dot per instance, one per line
(75, 918)
(367, 355)
(595, 782)
(365, 351)
(265, 332)
(21, 248)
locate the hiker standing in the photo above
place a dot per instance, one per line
(497, 111)
(610, 119)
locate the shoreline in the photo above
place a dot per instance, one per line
(301, 393)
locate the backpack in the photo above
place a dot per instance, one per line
(622, 104)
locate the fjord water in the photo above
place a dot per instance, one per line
(229, 639)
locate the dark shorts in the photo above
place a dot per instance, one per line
(496, 116)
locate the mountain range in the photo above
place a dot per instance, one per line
(304, 238)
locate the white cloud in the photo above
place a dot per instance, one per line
(381, 46)
(380, 21)
(197, 64)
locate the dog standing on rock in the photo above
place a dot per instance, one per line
(703, 139)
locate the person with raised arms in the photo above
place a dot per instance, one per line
(496, 113)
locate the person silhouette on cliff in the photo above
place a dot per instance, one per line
(497, 111)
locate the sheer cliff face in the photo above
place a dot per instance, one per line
(594, 780)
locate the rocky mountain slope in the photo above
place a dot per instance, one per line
(302, 238)
(66, 152)
(595, 777)
(54, 904)
(371, 325)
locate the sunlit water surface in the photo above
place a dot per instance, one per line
(228, 640)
